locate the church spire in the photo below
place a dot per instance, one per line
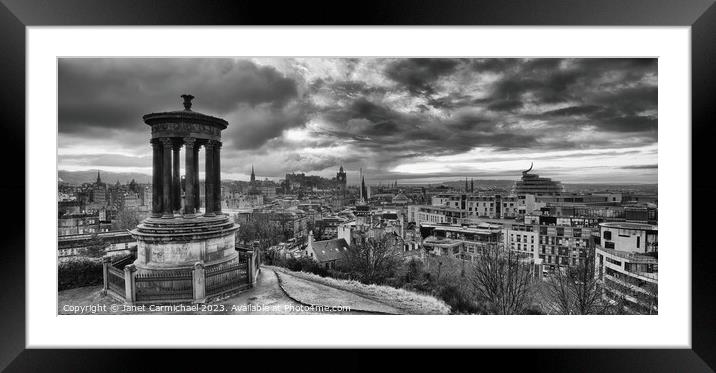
(364, 191)
(361, 190)
(99, 180)
(253, 175)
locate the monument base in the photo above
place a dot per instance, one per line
(179, 243)
(181, 259)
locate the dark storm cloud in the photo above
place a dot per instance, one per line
(98, 95)
(417, 74)
(641, 167)
(393, 134)
(379, 111)
(109, 160)
(550, 81)
(344, 88)
(575, 110)
(251, 127)
(505, 105)
(632, 123)
(607, 94)
(493, 65)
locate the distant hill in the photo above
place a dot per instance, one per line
(598, 187)
(79, 177)
(460, 184)
(568, 187)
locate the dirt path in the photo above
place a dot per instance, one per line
(313, 293)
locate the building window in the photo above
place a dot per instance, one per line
(607, 235)
(609, 245)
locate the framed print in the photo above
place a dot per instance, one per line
(400, 176)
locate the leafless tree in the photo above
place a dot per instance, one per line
(650, 298)
(502, 280)
(576, 290)
(373, 259)
(643, 299)
(126, 219)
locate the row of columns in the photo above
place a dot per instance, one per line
(166, 180)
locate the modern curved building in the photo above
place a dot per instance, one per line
(626, 264)
(538, 186)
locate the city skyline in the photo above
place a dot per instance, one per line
(411, 120)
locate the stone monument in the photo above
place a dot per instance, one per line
(178, 236)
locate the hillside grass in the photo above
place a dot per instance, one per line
(408, 301)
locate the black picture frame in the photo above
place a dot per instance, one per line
(16, 15)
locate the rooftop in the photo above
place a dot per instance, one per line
(464, 229)
(329, 250)
(636, 226)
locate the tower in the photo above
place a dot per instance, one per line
(253, 175)
(363, 190)
(341, 192)
(341, 178)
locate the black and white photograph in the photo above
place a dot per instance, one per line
(254, 178)
(363, 185)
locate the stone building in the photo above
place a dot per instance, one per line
(78, 223)
(328, 253)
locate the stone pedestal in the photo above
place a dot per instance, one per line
(179, 243)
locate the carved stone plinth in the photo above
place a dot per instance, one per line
(179, 243)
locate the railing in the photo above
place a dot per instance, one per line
(164, 286)
(121, 263)
(226, 277)
(641, 258)
(115, 281)
(197, 284)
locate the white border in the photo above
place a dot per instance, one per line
(671, 328)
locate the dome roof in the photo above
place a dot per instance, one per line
(185, 116)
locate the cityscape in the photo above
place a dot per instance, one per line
(357, 186)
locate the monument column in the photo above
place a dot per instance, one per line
(209, 179)
(217, 179)
(189, 186)
(156, 178)
(176, 177)
(197, 193)
(175, 243)
(167, 189)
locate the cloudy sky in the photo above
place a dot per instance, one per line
(411, 120)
